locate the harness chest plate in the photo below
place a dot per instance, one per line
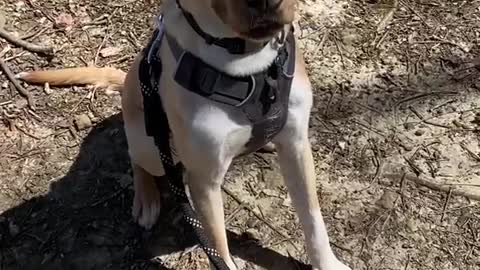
(262, 97)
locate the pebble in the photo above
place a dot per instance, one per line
(82, 122)
(47, 89)
(409, 126)
(412, 225)
(388, 199)
(252, 234)
(419, 132)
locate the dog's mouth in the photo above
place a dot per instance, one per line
(263, 29)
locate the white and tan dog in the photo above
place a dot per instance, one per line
(208, 135)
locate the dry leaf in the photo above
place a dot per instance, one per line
(64, 21)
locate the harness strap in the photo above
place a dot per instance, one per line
(156, 123)
(232, 45)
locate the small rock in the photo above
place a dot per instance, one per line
(90, 115)
(388, 199)
(19, 6)
(287, 202)
(47, 89)
(409, 126)
(82, 122)
(412, 225)
(310, 13)
(252, 234)
(342, 145)
(419, 132)
(341, 214)
(110, 51)
(269, 192)
(418, 238)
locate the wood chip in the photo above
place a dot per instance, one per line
(110, 51)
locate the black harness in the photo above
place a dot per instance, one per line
(262, 97)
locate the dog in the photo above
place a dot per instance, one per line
(212, 134)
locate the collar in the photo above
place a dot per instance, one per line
(232, 45)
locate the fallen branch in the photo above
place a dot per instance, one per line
(16, 83)
(436, 186)
(25, 44)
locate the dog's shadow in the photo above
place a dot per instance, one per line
(84, 221)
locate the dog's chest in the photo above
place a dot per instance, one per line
(210, 106)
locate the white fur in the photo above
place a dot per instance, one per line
(177, 26)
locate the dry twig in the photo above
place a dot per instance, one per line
(435, 186)
(16, 83)
(27, 133)
(445, 205)
(25, 44)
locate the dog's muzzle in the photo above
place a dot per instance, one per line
(264, 5)
(264, 18)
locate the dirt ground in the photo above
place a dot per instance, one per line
(395, 131)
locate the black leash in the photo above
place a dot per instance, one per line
(157, 126)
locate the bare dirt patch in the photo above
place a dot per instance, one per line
(394, 130)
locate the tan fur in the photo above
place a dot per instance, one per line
(99, 77)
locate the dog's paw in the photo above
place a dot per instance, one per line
(146, 204)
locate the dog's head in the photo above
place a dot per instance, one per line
(255, 19)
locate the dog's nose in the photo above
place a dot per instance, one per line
(264, 5)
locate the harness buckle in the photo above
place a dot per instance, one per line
(206, 78)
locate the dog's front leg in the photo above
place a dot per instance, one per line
(297, 165)
(206, 194)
